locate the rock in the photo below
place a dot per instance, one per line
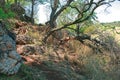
(14, 55)
(10, 60)
(9, 66)
(30, 49)
(23, 39)
(20, 49)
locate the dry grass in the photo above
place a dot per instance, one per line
(71, 61)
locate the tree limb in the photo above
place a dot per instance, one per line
(92, 6)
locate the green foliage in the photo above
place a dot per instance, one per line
(70, 14)
(10, 14)
(84, 29)
(2, 14)
(10, 1)
(71, 29)
(6, 12)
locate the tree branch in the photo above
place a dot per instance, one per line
(55, 13)
(91, 7)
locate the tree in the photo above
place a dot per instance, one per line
(15, 1)
(32, 11)
(84, 10)
(29, 16)
(2, 3)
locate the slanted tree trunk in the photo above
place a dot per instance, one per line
(55, 12)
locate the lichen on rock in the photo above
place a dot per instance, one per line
(10, 60)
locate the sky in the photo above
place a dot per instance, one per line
(43, 13)
(111, 14)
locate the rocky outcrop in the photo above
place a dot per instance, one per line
(10, 60)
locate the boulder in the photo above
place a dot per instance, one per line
(10, 60)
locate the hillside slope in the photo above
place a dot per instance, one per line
(72, 60)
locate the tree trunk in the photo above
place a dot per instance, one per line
(2, 3)
(15, 1)
(32, 12)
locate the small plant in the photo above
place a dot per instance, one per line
(6, 12)
(2, 14)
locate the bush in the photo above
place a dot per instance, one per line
(2, 14)
(6, 12)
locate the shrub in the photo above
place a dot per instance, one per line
(6, 12)
(2, 14)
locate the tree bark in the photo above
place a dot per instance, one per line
(54, 14)
(32, 12)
